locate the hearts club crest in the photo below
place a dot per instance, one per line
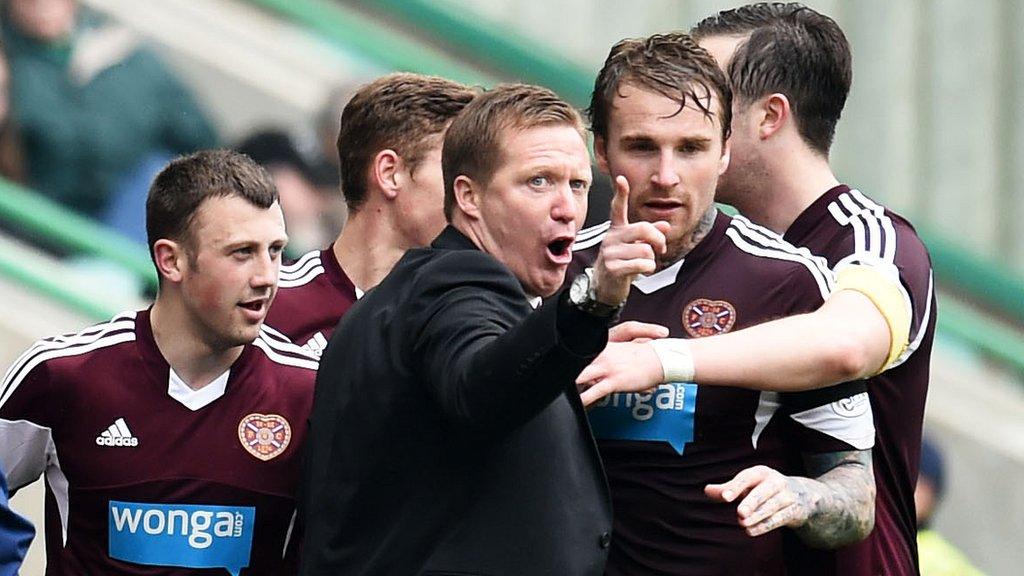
(265, 436)
(704, 317)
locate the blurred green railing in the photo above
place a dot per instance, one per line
(355, 32)
(37, 215)
(993, 340)
(973, 275)
(503, 50)
(52, 288)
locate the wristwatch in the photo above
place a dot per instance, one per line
(582, 295)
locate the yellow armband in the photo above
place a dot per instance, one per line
(886, 295)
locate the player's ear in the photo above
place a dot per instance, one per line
(723, 162)
(775, 112)
(467, 196)
(387, 170)
(601, 153)
(170, 259)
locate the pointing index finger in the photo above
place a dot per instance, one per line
(620, 202)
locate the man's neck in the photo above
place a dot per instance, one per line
(479, 236)
(690, 240)
(791, 188)
(368, 248)
(191, 357)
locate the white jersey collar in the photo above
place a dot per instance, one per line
(658, 280)
(196, 399)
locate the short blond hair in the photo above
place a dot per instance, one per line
(474, 143)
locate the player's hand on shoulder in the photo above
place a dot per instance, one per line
(767, 499)
(628, 249)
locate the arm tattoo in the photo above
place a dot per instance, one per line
(840, 499)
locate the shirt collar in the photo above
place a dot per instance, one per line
(812, 215)
(452, 239)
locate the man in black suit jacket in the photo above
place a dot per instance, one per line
(446, 422)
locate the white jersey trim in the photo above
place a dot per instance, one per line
(875, 243)
(873, 231)
(767, 405)
(782, 250)
(660, 279)
(302, 265)
(284, 351)
(824, 281)
(746, 236)
(302, 271)
(274, 334)
(921, 329)
(313, 347)
(592, 236)
(316, 344)
(849, 419)
(118, 330)
(594, 230)
(302, 281)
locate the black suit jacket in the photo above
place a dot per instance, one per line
(447, 434)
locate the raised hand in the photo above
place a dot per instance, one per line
(627, 249)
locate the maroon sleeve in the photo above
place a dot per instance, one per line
(835, 418)
(803, 291)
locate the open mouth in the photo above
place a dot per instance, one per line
(560, 249)
(253, 305)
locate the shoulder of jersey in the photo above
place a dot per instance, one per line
(764, 243)
(280, 350)
(874, 229)
(117, 330)
(590, 237)
(302, 271)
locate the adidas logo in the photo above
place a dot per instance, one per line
(117, 435)
(316, 344)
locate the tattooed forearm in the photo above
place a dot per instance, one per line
(840, 499)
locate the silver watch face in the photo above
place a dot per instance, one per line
(579, 288)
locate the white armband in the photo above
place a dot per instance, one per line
(676, 359)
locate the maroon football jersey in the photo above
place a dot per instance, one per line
(145, 476)
(660, 449)
(844, 226)
(312, 295)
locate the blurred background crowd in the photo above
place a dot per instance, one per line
(91, 113)
(97, 95)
